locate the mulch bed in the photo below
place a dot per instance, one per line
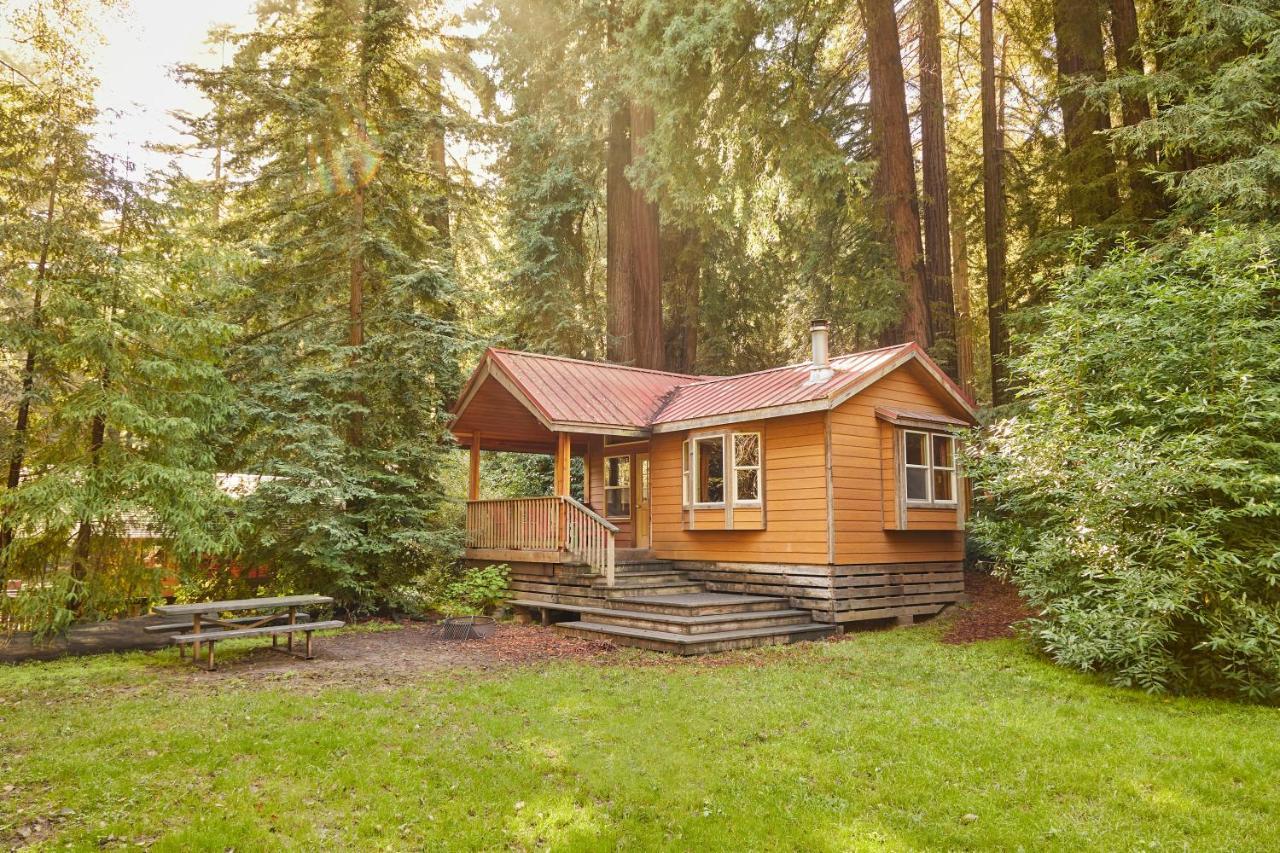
(993, 610)
(388, 657)
(410, 647)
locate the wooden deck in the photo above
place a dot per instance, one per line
(693, 608)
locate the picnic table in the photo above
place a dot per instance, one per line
(207, 623)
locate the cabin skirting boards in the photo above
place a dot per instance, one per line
(842, 593)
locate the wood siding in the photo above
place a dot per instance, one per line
(794, 519)
(864, 480)
(593, 464)
(795, 482)
(841, 593)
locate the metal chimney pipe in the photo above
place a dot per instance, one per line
(820, 371)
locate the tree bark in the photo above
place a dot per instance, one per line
(895, 177)
(646, 262)
(1089, 166)
(964, 320)
(620, 346)
(1145, 198)
(993, 205)
(935, 201)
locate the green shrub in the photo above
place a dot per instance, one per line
(1134, 496)
(475, 591)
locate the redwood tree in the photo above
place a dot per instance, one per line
(1144, 195)
(1089, 166)
(895, 177)
(935, 203)
(993, 204)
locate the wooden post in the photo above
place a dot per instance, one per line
(195, 629)
(473, 481)
(563, 457)
(564, 451)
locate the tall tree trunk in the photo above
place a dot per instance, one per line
(895, 177)
(646, 260)
(993, 204)
(1145, 198)
(1090, 168)
(964, 319)
(935, 202)
(619, 294)
(22, 421)
(682, 259)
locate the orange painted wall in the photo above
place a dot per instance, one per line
(794, 493)
(795, 489)
(863, 476)
(595, 454)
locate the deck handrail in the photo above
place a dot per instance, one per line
(608, 525)
(558, 523)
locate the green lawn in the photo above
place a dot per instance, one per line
(889, 740)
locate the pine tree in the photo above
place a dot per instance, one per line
(350, 352)
(549, 294)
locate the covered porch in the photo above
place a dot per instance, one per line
(550, 529)
(595, 516)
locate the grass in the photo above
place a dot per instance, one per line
(885, 741)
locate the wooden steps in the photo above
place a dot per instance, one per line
(697, 644)
(663, 611)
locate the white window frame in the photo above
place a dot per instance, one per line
(607, 488)
(758, 500)
(695, 470)
(929, 468)
(686, 471)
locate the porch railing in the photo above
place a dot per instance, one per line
(560, 524)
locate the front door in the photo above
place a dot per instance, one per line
(642, 501)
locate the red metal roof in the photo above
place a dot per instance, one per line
(568, 391)
(780, 386)
(573, 391)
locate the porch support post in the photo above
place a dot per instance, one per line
(473, 480)
(563, 456)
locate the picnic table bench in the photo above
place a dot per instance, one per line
(207, 614)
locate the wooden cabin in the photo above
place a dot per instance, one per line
(723, 511)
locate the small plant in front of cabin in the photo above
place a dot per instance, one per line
(476, 591)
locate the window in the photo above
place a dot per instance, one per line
(708, 463)
(684, 474)
(617, 486)
(944, 468)
(929, 467)
(746, 467)
(711, 477)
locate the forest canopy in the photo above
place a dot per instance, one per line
(383, 187)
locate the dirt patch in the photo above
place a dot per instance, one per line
(994, 608)
(391, 655)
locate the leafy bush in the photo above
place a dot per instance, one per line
(1135, 495)
(475, 591)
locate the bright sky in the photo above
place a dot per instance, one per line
(143, 40)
